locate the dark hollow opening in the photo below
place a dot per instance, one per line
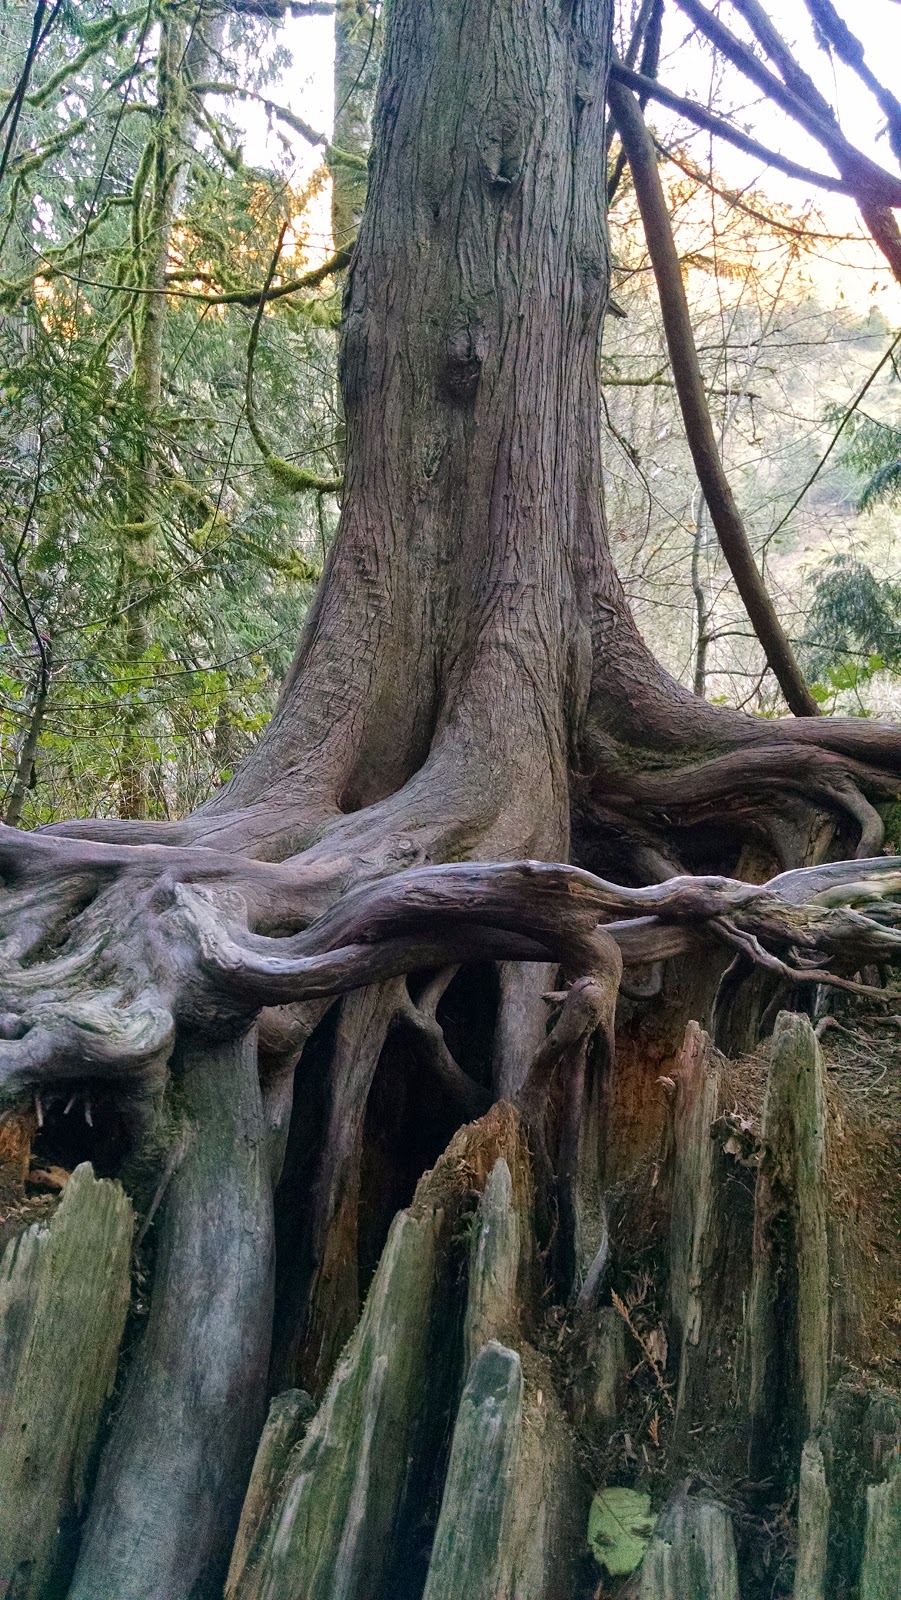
(84, 1122)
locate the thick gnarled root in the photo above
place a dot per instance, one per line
(186, 939)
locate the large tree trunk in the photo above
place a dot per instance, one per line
(470, 690)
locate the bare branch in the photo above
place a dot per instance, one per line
(869, 180)
(653, 90)
(235, 297)
(850, 50)
(724, 512)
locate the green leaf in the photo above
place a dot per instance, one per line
(620, 1525)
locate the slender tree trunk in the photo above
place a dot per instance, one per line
(359, 29)
(699, 590)
(25, 766)
(181, 57)
(715, 485)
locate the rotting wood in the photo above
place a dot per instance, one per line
(692, 1553)
(693, 1216)
(788, 1314)
(17, 1130)
(64, 1292)
(333, 1525)
(512, 1472)
(356, 1484)
(859, 1438)
(814, 1503)
(880, 1571)
(470, 1554)
(491, 1303)
(286, 1423)
(603, 1370)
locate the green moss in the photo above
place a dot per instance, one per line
(296, 478)
(891, 816)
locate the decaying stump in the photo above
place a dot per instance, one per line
(470, 1555)
(693, 1215)
(880, 1569)
(849, 1510)
(788, 1317)
(513, 1511)
(706, 1208)
(346, 1503)
(335, 1523)
(353, 1490)
(64, 1293)
(492, 1302)
(775, 1259)
(603, 1370)
(692, 1553)
(814, 1502)
(286, 1424)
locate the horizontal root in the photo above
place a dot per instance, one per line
(739, 786)
(173, 938)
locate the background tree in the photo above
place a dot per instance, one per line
(225, 576)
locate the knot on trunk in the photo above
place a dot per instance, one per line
(502, 146)
(464, 352)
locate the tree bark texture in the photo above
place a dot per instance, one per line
(359, 28)
(183, 55)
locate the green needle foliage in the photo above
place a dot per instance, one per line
(853, 629)
(135, 241)
(873, 450)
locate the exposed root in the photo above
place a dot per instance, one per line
(740, 788)
(173, 938)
